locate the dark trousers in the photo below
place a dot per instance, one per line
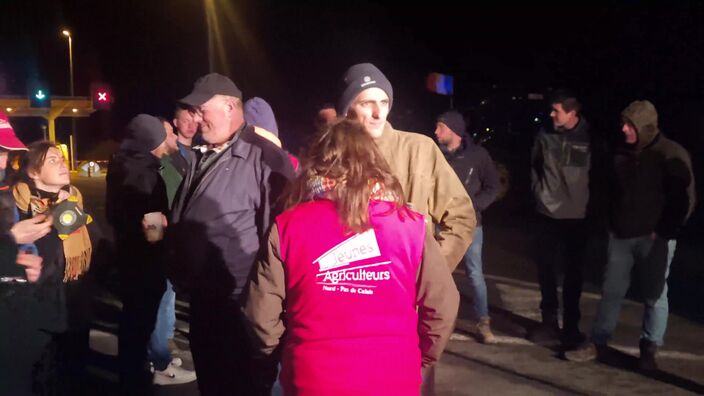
(141, 288)
(222, 350)
(27, 360)
(72, 345)
(560, 247)
(72, 351)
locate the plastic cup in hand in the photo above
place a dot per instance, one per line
(154, 230)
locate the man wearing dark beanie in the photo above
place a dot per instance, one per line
(431, 186)
(478, 174)
(135, 188)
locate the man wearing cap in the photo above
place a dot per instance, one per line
(478, 174)
(219, 220)
(134, 188)
(430, 184)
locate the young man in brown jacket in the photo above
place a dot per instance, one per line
(430, 184)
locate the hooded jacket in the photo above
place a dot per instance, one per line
(653, 185)
(134, 187)
(560, 163)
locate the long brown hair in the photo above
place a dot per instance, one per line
(345, 153)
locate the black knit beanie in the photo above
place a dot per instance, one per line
(454, 120)
(358, 78)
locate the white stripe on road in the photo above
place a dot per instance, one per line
(633, 351)
(535, 286)
(534, 295)
(662, 354)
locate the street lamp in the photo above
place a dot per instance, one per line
(70, 57)
(67, 33)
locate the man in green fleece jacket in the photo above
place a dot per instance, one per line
(430, 184)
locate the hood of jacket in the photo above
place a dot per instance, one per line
(643, 116)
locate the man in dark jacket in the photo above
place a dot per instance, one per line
(135, 188)
(219, 220)
(168, 371)
(560, 164)
(477, 172)
(653, 195)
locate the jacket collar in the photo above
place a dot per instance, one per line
(388, 136)
(242, 146)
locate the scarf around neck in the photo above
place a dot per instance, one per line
(322, 187)
(77, 245)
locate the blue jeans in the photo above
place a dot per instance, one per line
(473, 264)
(159, 353)
(623, 254)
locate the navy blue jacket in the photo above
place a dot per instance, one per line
(219, 221)
(477, 172)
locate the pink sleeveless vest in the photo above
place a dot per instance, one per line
(350, 302)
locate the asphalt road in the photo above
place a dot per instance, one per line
(514, 366)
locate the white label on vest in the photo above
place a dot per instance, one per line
(358, 247)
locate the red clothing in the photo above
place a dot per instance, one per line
(352, 326)
(294, 162)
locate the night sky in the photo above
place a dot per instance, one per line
(151, 52)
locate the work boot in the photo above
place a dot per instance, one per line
(571, 338)
(648, 349)
(547, 332)
(587, 352)
(484, 330)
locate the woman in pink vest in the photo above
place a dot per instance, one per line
(362, 293)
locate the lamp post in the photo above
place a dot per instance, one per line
(67, 34)
(70, 57)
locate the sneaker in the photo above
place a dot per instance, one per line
(173, 375)
(647, 362)
(484, 330)
(587, 352)
(176, 362)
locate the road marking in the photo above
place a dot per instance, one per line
(533, 285)
(662, 354)
(514, 294)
